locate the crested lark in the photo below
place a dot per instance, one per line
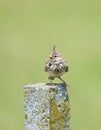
(56, 66)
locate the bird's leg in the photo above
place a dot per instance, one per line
(51, 78)
(63, 81)
(51, 81)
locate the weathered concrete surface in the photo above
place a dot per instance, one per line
(46, 107)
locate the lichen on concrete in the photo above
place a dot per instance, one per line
(46, 107)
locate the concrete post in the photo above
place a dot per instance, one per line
(46, 107)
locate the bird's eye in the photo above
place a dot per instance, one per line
(51, 58)
(55, 56)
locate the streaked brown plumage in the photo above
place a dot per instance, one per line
(56, 66)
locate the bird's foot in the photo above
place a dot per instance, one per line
(63, 82)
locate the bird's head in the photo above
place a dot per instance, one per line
(54, 54)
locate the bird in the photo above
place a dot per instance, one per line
(56, 66)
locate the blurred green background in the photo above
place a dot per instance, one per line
(28, 31)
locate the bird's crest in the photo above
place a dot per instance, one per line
(54, 48)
